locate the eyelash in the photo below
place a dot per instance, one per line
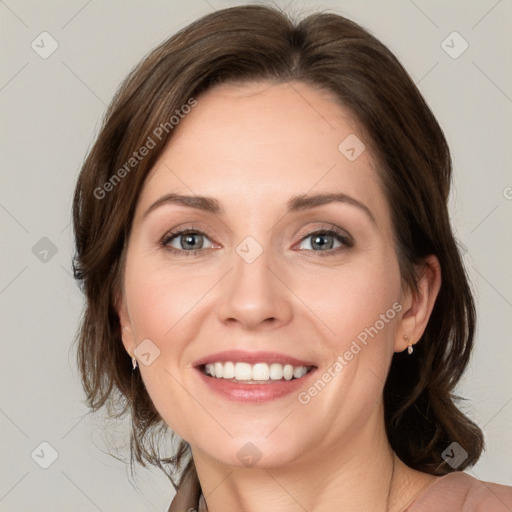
(340, 236)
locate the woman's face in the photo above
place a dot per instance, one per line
(266, 273)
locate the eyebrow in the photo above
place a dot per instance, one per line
(294, 204)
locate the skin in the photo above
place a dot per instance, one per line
(252, 147)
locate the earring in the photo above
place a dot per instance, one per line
(409, 342)
(134, 363)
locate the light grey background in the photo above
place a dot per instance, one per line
(50, 112)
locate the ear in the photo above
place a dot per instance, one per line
(125, 325)
(418, 305)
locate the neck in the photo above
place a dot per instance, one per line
(363, 474)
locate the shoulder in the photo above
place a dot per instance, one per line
(459, 491)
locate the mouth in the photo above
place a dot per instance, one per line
(253, 377)
(259, 373)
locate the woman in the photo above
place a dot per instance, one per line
(263, 239)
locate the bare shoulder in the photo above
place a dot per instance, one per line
(460, 491)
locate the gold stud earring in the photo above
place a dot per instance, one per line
(409, 342)
(134, 363)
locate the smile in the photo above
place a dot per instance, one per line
(254, 373)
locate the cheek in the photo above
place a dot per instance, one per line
(353, 300)
(362, 307)
(160, 299)
(160, 305)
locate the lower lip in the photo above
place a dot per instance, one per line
(255, 393)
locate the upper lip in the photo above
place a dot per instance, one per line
(242, 356)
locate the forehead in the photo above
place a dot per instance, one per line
(261, 120)
(262, 143)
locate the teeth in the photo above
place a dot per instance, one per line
(219, 369)
(255, 372)
(276, 371)
(243, 371)
(260, 371)
(228, 371)
(297, 372)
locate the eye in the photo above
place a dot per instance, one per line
(191, 241)
(186, 241)
(326, 240)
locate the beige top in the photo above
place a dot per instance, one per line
(455, 492)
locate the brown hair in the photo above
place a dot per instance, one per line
(249, 43)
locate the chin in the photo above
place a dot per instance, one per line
(254, 452)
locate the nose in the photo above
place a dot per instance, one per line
(254, 295)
